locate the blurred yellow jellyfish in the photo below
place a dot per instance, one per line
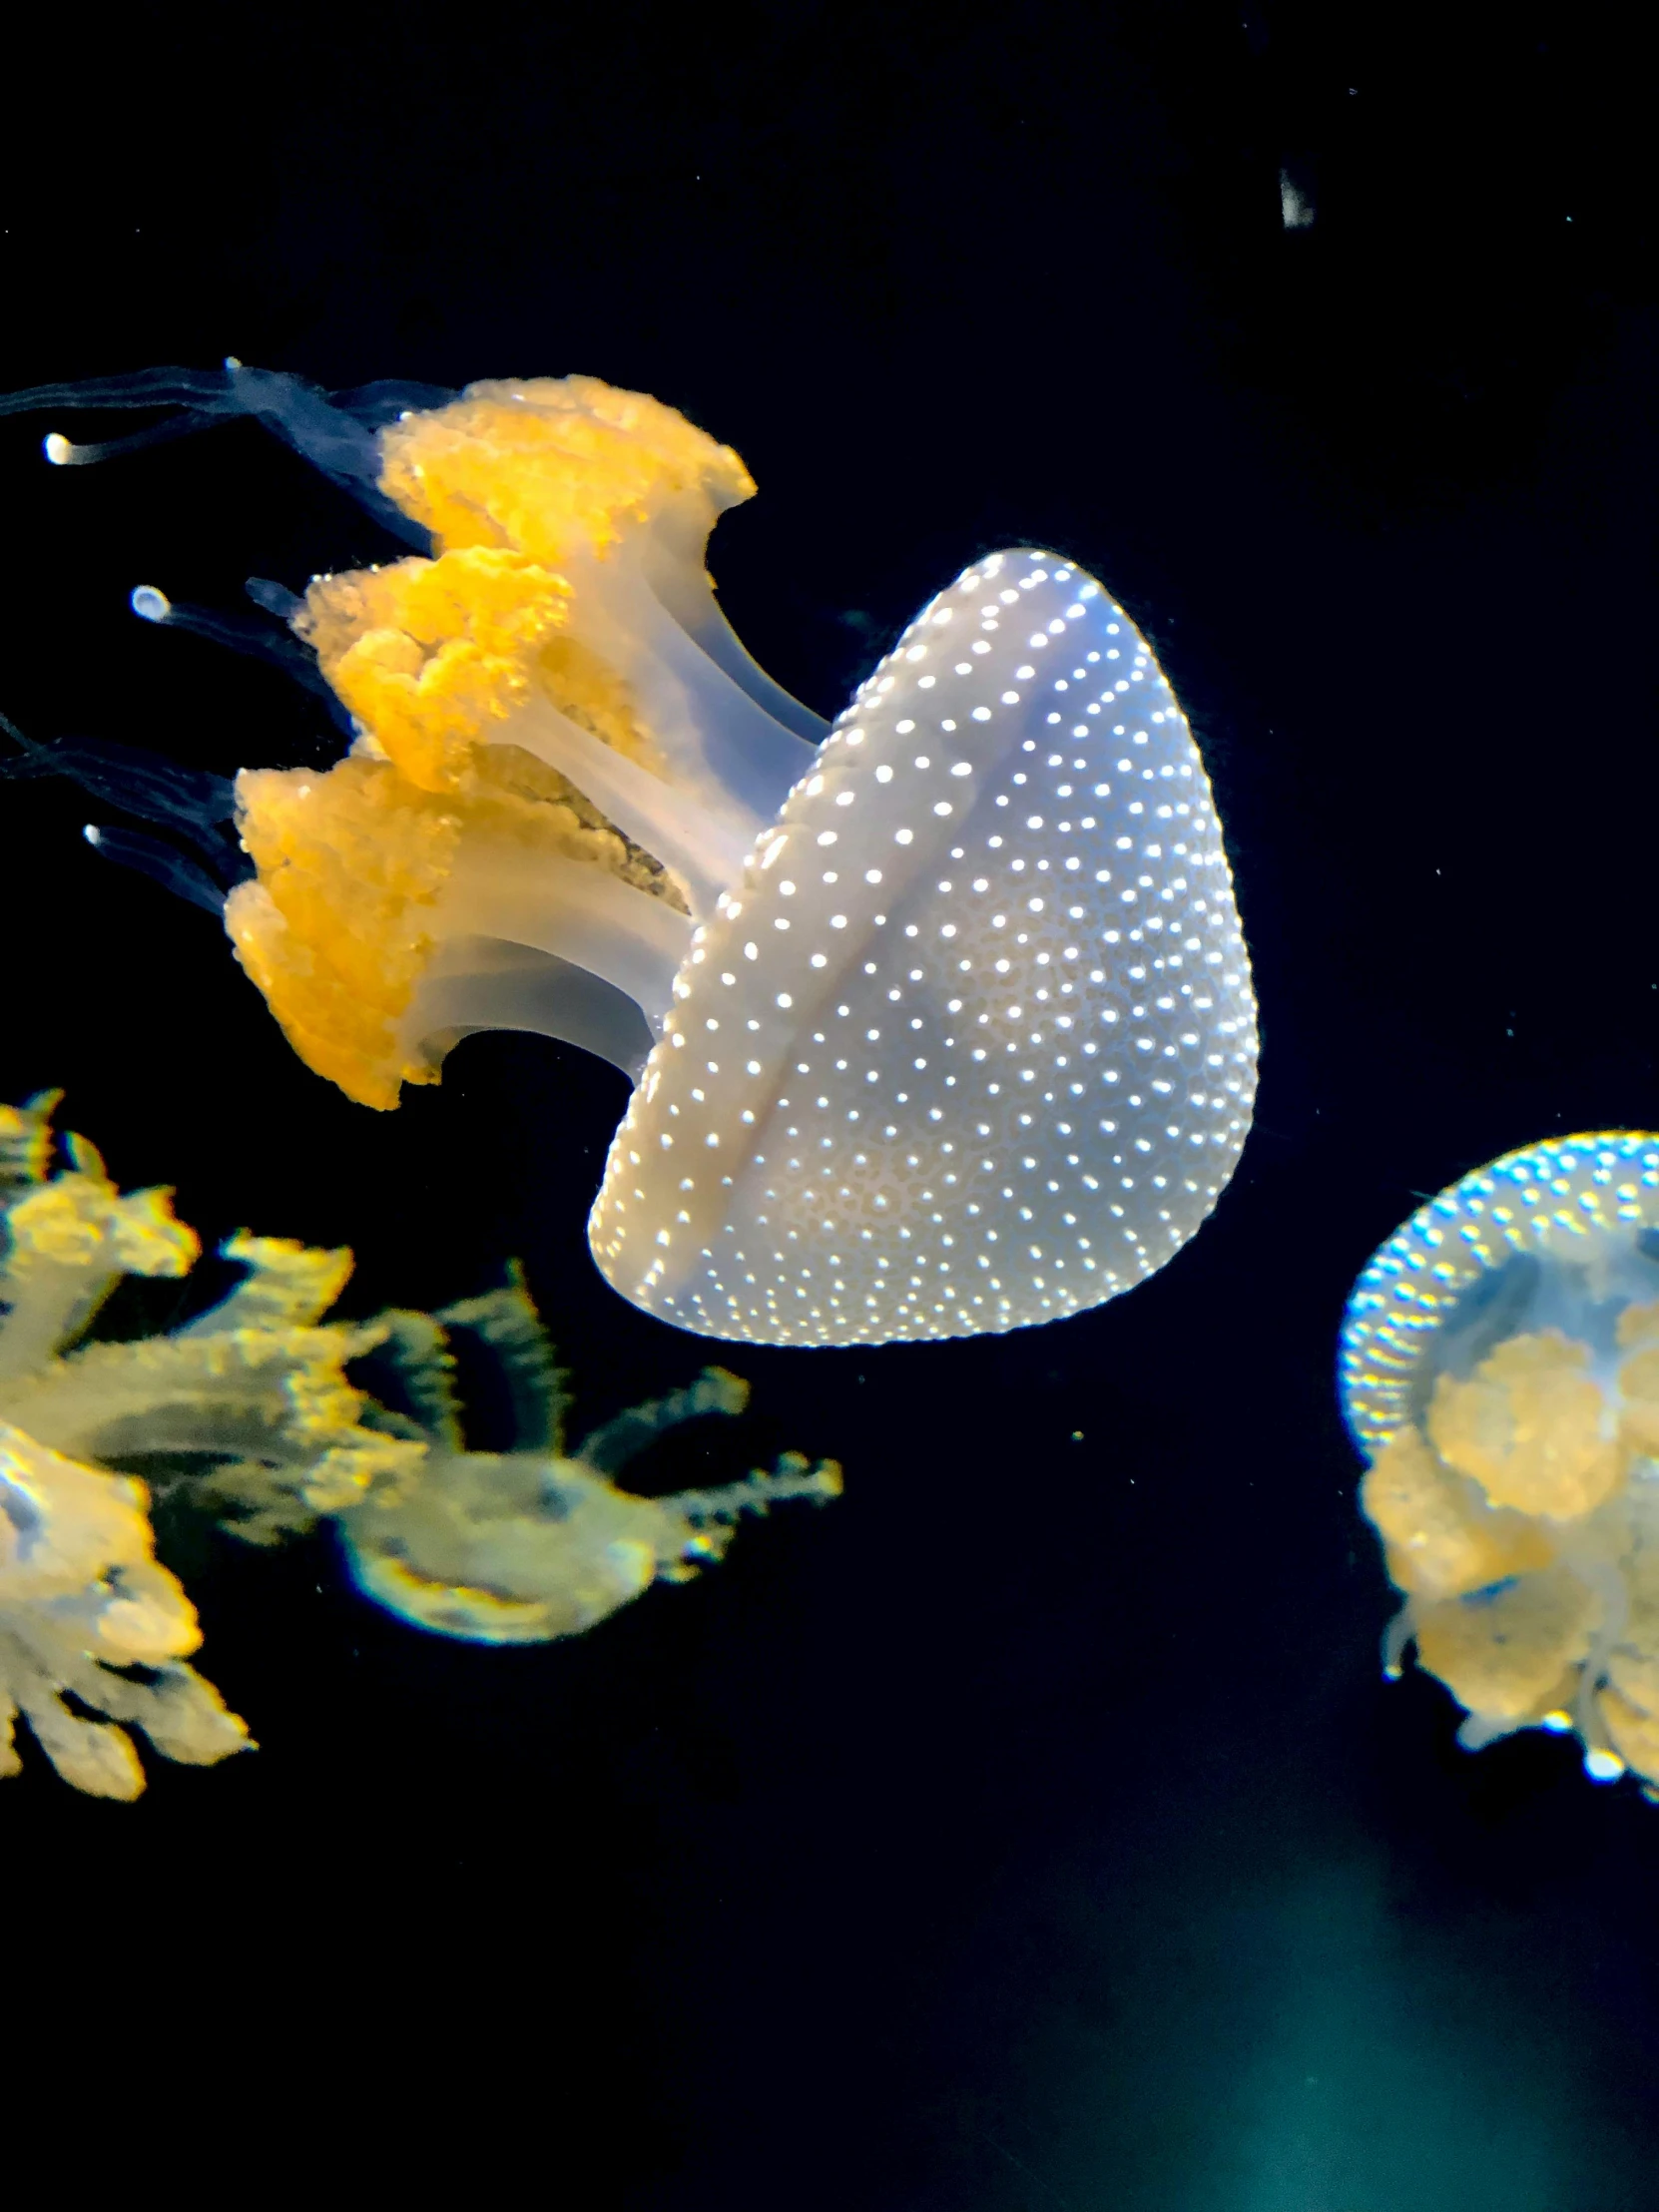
(524, 1545)
(1501, 1370)
(248, 1410)
(82, 1596)
(941, 1019)
(81, 1599)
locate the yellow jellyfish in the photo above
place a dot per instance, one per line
(1500, 1371)
(248, 1413)
(83, 1599)
(525, 1546)
(942, 1018)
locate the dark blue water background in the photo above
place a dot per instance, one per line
(1032, 1829)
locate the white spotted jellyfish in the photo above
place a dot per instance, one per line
(1500, 1371)
(941, 1017)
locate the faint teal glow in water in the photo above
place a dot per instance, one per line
(1368, 2076)
(1294, 2041)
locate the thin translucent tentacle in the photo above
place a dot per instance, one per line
(338, 438)
(163, 865)
(65, 452)
(390, 398)
(276, 599)
(345, 448)
(253, 638)
(193, 802)
(204, 390)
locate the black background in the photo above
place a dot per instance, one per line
(1030, 1830)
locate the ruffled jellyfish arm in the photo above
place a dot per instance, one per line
(68, 1243)
(412, 1372)
(82, 1596)
(711, 1517)
(614, 494)
(610, 1447)
(507, 1324)
(253, 1390)
(1501, 1370)
(265, 1395)
(564, 753)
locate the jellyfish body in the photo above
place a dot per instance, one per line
(942, 1024)
(246, 1413)
(1501, 1370)
(970, 1043)
(82, 1600)
(525, 1546)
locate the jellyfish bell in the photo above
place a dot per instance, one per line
(1560, 1236)
(1499, 1369)
(970, 1043)
(943, 1021)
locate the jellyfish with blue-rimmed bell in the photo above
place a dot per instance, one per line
(1501, 1370)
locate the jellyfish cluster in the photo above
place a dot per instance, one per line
(938, 1020)
(248, 1413)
